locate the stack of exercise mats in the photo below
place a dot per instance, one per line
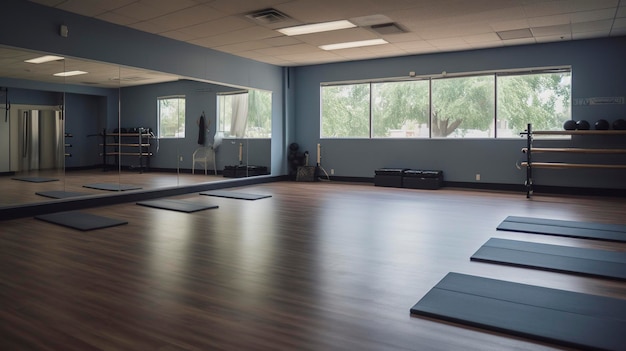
(566, 318)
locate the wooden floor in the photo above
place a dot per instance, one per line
(16, 192)
(318, 266)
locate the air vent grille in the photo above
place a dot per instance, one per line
(268, 16)
(387, 28)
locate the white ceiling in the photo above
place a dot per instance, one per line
(431, 26)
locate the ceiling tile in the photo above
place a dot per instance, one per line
(289, 49)
(93, 7)
(595, 26)
(553, 31)
(215, 27)
(187, 17)
(117, 18)
(241, 47)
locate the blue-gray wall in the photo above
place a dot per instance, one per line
(598, 70)
(32, 26)
(597, 67)
(139, 109)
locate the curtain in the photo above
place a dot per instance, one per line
(239, 116)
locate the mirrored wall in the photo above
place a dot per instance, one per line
(65, 133)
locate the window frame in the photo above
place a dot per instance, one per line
(495, 73)
(184, 117)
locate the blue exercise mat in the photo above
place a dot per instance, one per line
(561, 317)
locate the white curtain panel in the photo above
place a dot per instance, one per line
(239, 116)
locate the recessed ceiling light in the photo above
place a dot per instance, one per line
(316, 28)
(69, 73)
(353, 44)
(44, 59)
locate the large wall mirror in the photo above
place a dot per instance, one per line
(115, 129)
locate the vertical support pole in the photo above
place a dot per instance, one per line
(104, 149)
(529, 168)
(140, 131)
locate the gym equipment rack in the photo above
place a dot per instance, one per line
(529, 150)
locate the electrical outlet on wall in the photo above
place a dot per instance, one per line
(332, 171)
(477, 176)
(180, 158)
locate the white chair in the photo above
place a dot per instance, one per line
(204, 155)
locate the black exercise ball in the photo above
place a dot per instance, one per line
(602, 124)
(569, 125)
(619, 124)
(582, 125)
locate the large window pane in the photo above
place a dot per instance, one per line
(345, 111)
(400, 109)
(171, 117)
(259, 114)
(245, 115)
(541, 99)
(463, 107)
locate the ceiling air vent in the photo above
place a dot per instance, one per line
(387, 28)
(268, 16)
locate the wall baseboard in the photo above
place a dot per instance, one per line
(538, 189)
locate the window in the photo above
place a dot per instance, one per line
(541, 99)
(487, 105)
(171, 119)
(349, 107)
(400, 109)
(463, 107)
(245, 114)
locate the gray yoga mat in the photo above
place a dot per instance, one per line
(557, 316)
(572, 229)
(574, 260)
(35, 179)
(176, 205)
(80, 220)
(60, 194)
(235, 195)
(112, 186)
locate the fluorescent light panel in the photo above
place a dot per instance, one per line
(316, 27)
(43, 59)
(353, 44)
(69, 73)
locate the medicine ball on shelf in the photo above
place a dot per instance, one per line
(602, 124)
(294, 146)
(582, 125)
(619, 124)
(569, 125)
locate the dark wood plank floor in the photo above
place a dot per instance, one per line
(14, 192)
(318, 266)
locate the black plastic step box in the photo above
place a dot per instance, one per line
(241, 171)
(420, 179)
(391, 177)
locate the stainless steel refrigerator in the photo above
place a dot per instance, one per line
(41, 140)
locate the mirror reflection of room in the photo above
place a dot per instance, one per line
(137, 130)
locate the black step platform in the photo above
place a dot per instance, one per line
(572, 229)
(557, 316)
(565, 259)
